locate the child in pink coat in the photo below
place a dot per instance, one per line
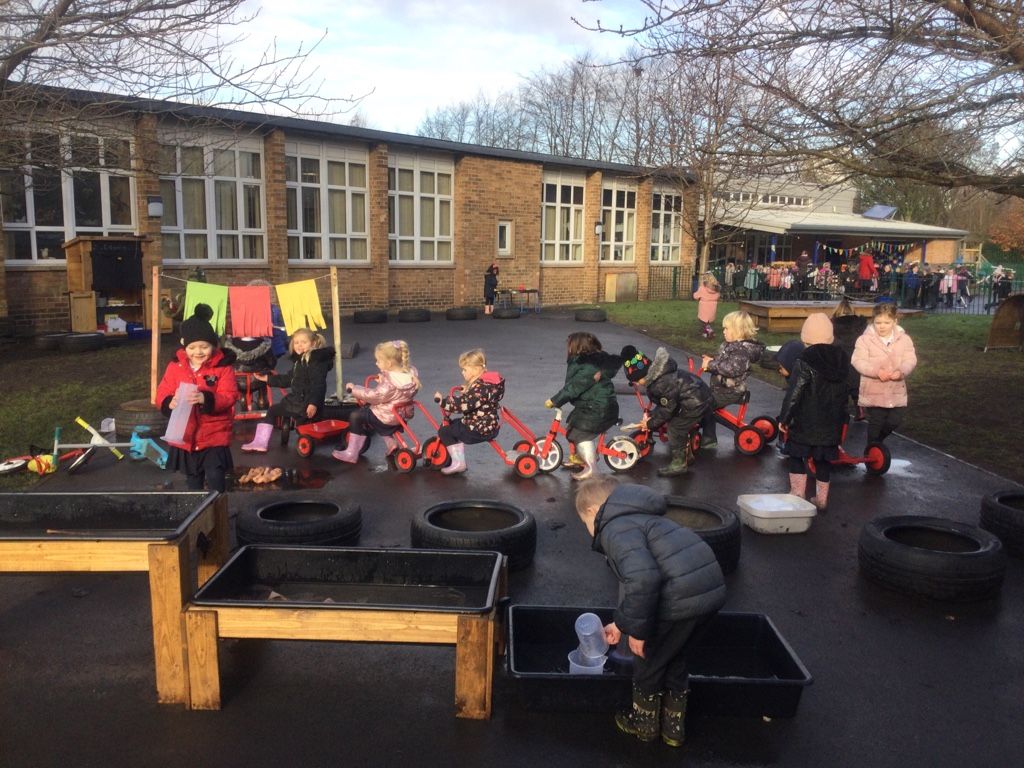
(707, 304)
(884, 356)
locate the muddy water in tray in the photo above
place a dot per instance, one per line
(418, 595)
(474, 519)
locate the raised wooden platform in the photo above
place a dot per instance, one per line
(789, 316)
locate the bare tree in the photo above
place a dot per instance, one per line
(850, 79)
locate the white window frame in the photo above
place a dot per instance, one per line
(356, 236)
(666, 221)
(564, 245)
(412, 246)
(245, 237)
(505, 238)
(68, 229)
(618, 220)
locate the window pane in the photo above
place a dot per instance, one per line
(444, 184)
(250, 164)
(336, 212)
(631, 199)
(46, 150)
(195, 247)
(291, 207)
(193, 203)
(405, 216)
(577, 252)
(358, 212)
(85, 151)
(192, 161)
(167, 160)
(310, 209)
(120, 200)
(444, 251)
(170, 201)
(19, 245)
(391, 217)
(335, 173)
(48, 245)
(444, 224)
(566, 195)
(253, 213)
(630, 227)
(117, 154)
(391, 179)
(620, 198)
(549, 252)
(577, 226)
(405, 180)
(606, 198)
(426, 217)
(47, 198)
(392, 250)
(252, 247)
(577, 195)
(357, 250)
(310, 171)
(293, 247)
(564, 233)
(311, 247)
(227, 247)
(224, 162)
(405, 250)
(357, 175)
(226, 206)
(291, 168)
(12, 197)
(426, 183)
(550, 228)
(427, 250)
(338, 248)
(171, 246)
(550, 193)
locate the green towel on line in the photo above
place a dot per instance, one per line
(208, 293)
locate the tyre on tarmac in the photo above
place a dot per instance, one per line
(478, 524)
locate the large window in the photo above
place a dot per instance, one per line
(618, 220)
(766, 248)
(69, 185)
(562, 220)
(666, 226)
(213, 202)
(327, 215)
(419, 209)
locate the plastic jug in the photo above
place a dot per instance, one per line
(585, 665)
(590, 631)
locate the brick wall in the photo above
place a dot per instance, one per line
(37, 301)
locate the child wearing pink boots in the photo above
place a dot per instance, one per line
(475, 408)
(308, 386)
(397, 385)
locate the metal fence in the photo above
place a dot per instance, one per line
(665, 282)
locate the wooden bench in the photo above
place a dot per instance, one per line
(789, 316)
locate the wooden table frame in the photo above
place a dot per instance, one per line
(475, 637)
(172, 579)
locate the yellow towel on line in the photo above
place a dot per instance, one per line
(300, 306)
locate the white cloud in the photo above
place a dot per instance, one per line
(417, 55)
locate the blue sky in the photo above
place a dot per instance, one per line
(416, 55)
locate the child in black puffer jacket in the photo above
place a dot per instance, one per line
(730, 368)
(678, 399)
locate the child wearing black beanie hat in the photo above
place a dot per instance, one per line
(203, 452)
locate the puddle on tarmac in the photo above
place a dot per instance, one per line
(291, 480)
(898, 468)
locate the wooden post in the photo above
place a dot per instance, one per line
(203, 664)
(170, 586)
(154, 343)
(336, 323)
(474, 667)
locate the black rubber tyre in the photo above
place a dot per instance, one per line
(300, 522)
(304, 446)
(49, 341)
(506, 313)
(1002, 514)
(139, 413)
(932, 557)
(370, 316)
(414, 315)
(717, 526)
(348, 351)
(81, 342)
(478, 524)
(460, 313)
(590, 316)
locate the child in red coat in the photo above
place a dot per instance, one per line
(204, 452)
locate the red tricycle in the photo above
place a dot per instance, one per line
(876, 458)
(752, 438)
(620, 452)
(646, 439)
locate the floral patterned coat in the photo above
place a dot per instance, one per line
(479, 405)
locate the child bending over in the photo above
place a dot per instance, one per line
(730, 368)
(475, 408)
(670, 585)
(397, 385)
(307, 380)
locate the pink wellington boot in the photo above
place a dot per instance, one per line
(261, 440)
(458, 453)
(351, 453)
(798, 485)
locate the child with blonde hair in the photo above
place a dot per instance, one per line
(475, 408)
(312, 360)
(706, 297)
(730, 368)
(397, 385)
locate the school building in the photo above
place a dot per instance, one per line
(409, 221)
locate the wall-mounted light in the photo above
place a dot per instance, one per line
(599, 229)
(155, 206)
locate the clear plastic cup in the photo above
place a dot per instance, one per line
(585, 665)
(590, 631)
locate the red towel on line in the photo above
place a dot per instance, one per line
(250, 310)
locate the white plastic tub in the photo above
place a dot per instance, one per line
(775, 512)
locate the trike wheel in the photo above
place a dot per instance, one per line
(435, 453)
(521, 446)
(526, 465)
(405, 460)
(551, 460)
(877, 459)
(749, 441)
(767, 426)
(624, 454)
(644, 442)
(694, 439)
(305, 447)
